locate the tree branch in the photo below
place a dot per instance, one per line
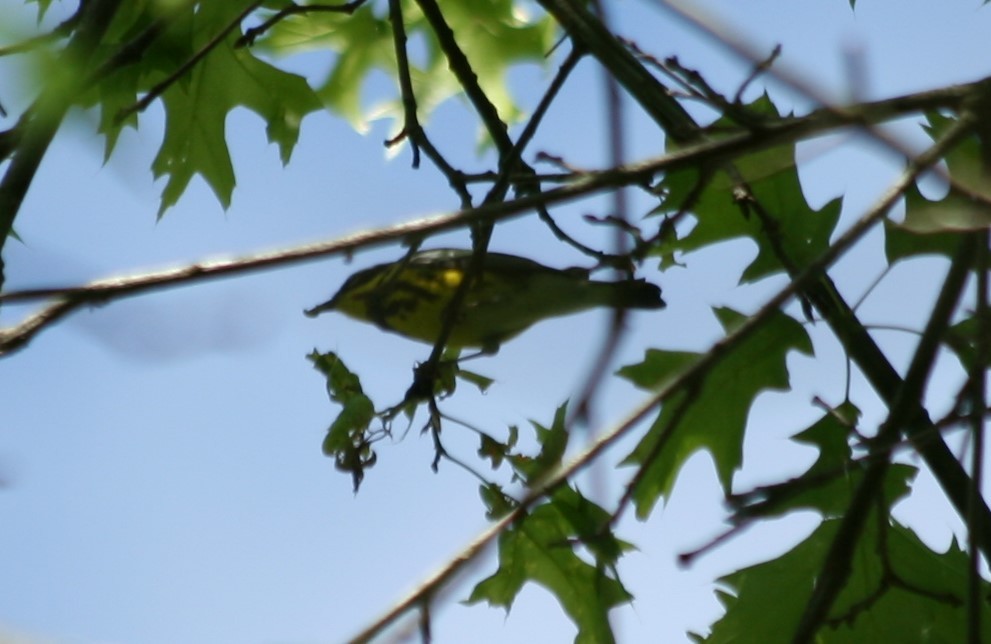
(466, 76)
(251, 35)
(412, 129)
(905, 412)
(588, 184)
(649, 92)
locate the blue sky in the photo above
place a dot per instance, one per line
(161, 455)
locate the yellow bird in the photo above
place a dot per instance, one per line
(410, 296)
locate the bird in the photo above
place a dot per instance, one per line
(410, 296)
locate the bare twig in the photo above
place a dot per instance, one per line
(758, 69)
(412, 129)
(616, 126)
(252, 34)
(977, 384)
(652, 96)
(466, 76)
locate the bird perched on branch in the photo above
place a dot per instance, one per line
(410, 296)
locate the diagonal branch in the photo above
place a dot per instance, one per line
(977, 385)
(588, 184)
(252, 34)
(905, 412)
(649, 92)
(466, 76)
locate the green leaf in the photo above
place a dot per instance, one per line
(963, 339)
(117, 94)
(491, 33)
(553, 443)
(724, 213)
(715, 412)
(539, 549)
(934, 226)
(482, 383)
(362, 42)
(495, 450)
(497, 502)
(764, 602)
(198, 102)
(590, 524)
(197, 108)
(348, 439)
(898, 591)
(42, 7)
(828, 485)
(492, 449)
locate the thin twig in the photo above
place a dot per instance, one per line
(411, 124)
(530, 180)
(977, 382)
(466, 76)
(616, 126)
(511, 165)
(252, 34)
(758, 69)
(412, 129)
(654, 98)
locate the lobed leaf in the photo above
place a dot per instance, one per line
(828, 485)
(197, 103)
(724, 213)
(899, 590)
(539, 548)
(713, 416)
(493, 34)
(934, 226)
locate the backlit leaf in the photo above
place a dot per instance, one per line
(716, 413)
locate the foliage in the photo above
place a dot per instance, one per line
(711, 414)
(899, 590)
(861, 575)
